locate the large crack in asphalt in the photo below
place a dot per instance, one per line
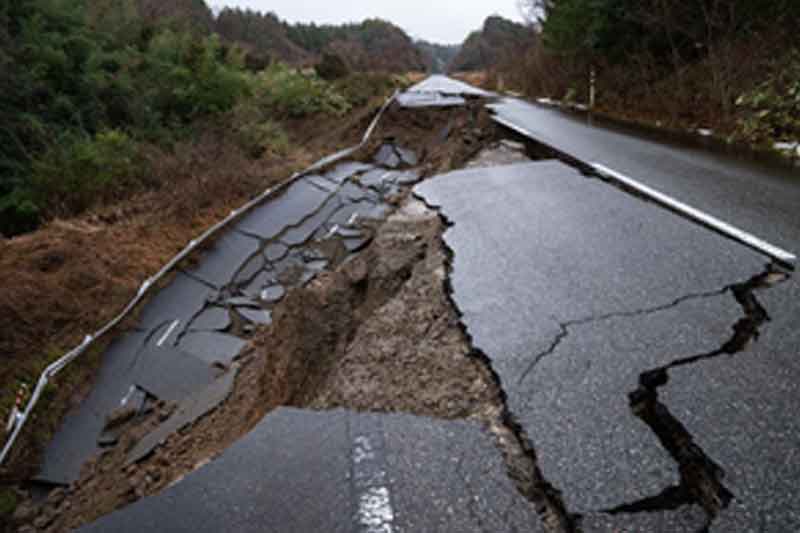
(515, 445)
(701, 478)
(566, 326)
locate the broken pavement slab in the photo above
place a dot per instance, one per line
(256, 316)
(227, 255)
(386, 156)
(288, 209)
(189, 410)
(181, 300)
(76, 440)
(309, 471)
(273, 293)
(389, 155)
(345, 170)
(170, 374)
(211, 319)
(212, 347)
(303, 231)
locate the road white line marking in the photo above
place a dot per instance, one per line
(374, 513)
(508, 124)
(127, 397)
(168, 332)
(787, 258)
(699, 216)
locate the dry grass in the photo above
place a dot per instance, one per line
(72, 276)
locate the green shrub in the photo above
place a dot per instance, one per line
(361, 87)
(256, 132)
(331, 67)
(771, 111)
(292, 94)
(77, 172)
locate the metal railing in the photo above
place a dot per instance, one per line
(54, 368)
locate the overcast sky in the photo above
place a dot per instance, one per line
(441, 21)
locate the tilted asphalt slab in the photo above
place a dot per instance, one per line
(573, 288)
(306, 471)
(181, 344)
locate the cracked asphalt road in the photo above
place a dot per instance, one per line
(625, 338)
(301, 471)
(576, 291)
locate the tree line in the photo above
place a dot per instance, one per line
(88, 84)
(677, 54)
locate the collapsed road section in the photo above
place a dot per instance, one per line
(371, 331)
(558, 348)
(193, 330)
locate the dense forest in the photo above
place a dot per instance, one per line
(728, 64)
(370, 45)
(497, 42)
(438, 57)
(93, 88)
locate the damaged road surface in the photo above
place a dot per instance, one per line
(510, 346)
(620, 334)
(189, 335)
(301, 471)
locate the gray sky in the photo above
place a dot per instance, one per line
(441, 21)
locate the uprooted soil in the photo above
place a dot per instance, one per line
(357, 337)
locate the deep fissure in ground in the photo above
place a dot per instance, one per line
(382, 333)
(701, 478)
(320, 352)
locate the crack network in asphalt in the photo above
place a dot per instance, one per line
(516, 446)
(564, 327)
(701, 479)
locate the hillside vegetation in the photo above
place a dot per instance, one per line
(438, 56)
(497, 42)
(372, 45)
(730, 65)
(96, 92)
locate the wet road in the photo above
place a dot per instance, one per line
(631, 342)
(339, 471)
(618, 331)
(759, 198)
(190, 332)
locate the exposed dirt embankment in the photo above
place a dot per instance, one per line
(72, 276)
(378, 333)
(443, 138)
